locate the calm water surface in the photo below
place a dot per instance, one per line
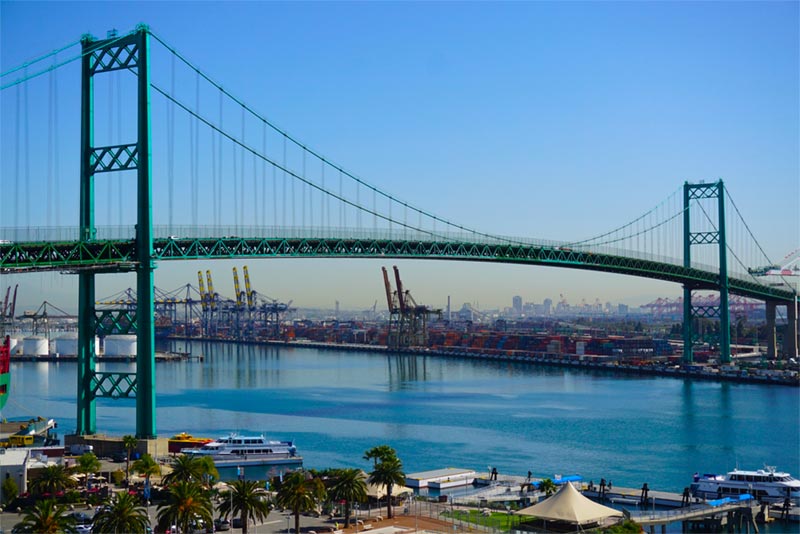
(440, 412)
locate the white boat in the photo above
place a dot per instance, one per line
(765, 485)
(236, 449)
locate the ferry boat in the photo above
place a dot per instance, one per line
(181, 441)
(766, 485)
(240, 450)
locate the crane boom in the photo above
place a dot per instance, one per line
(5, 302)
(237, 289)
(212, 297)
(14, 301)
(388, 289)
(203, 294)
(400, 296)
(250, 293)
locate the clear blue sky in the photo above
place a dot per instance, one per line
(551, 120)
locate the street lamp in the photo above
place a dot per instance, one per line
(356, 514)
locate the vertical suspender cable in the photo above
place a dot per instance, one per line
(170, 117)
(196, 167)
(56, 185)
(18, 137)
(264, 176)
(284, 183)
(358, 203)
(214, 176)
(326, 198)
(341, 204)
(241, 188)
(374, 210)
(49, 188)
(235, 187)
(220, 176)
(26, 141)
(255, 192)
(303, 192)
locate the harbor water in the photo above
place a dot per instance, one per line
(445, 412)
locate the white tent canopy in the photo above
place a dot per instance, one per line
(571, 506)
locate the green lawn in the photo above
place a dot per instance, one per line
(497, 520)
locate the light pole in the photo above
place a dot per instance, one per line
(356, 514)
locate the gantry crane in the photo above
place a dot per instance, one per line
(7, 313)
(408, 321)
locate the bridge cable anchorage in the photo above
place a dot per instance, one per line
(36, 74)
(319, 156)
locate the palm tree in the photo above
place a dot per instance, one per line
(349, 486)
(388, 472)
(46, 517)
(146, 466)
(187, 468)
(129, 443)
(52, 479)
(187, 502)
(246, 499)
(87, 464)
(379, 453)
(299, 492)
(548, 487)
(123, 514)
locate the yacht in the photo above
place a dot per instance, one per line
(765, 485)
(237, 449)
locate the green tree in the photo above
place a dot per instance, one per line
(379, 453)
(246, 499)
(46, 517)
(129, 443)
(10, 490)
(87, 464)
(187, 502)
(51, 479)
(146, 466)
(548, 487)
(123, 514)
(350, 486)
(389, 473)
(300, 492)
(186, 468)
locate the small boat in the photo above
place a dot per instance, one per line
(181, 441)
(766, 485)
(235, 449)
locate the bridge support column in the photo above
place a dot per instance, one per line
(86, 352)
(771, 337)
(99, 56)
(790, 338)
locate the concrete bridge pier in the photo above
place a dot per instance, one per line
(790, 339)
(771, 337)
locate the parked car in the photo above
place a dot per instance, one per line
(83, 529)
(236, 522)
(119, 456)
(221, 524)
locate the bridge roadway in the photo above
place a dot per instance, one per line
(119, 255)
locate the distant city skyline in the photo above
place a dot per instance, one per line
(549, 120)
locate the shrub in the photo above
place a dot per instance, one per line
(117, 477)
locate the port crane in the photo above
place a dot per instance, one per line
(8, 310)
(408, 321)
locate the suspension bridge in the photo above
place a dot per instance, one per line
(250, 189)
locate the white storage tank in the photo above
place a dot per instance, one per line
(120, 345)
(66, 344)
(35, 346)
(14, 344)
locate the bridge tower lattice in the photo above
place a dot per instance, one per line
(129, 52)
(717, 237)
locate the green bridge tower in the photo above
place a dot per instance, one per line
(128, 52)
(690, 312)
